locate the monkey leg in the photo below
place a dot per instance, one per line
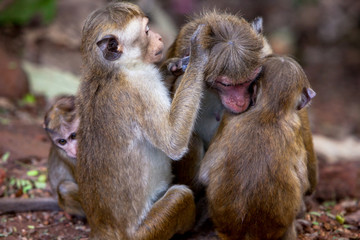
(173, 213)
(290, 233)
(68, 198)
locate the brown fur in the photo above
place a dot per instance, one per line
(236, 50)
(257, 177)
(237, 59)
(129, 127)
(60, 119)
(58, 122)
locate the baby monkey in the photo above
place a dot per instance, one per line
(61, 123)
(255, 189)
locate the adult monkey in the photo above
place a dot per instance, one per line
(237, 49)
(236, 52)
(129, 127)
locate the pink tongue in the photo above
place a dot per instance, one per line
(235, 98)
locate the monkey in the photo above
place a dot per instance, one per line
(130, 129)
(237, 51)
(61, 123)
(256, 179)
(237, 48)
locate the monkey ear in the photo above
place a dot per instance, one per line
(306, 96)
(257, 25)
(110, 48)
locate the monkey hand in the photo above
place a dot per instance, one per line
(177, 66)
(198, 53)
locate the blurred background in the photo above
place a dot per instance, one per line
(40, 59)
(323, 35)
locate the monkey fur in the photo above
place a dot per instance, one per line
(237, 49)
(129, 128)
(61, 123)
(255, 181)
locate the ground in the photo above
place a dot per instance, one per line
(21, 176)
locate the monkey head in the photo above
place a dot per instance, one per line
(61, 123)
(118, 35)
(235, 59)
(282, 87)
(236, 48)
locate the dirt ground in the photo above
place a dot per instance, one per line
(324, 37)
(28, 145)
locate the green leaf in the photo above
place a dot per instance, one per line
(340, 219)
(21, 12)
(347, 226)
(26, 188)
(42, 178)
(329, 203)
(32, 173)
(29, 99)
(31, 226)
(315, 223)
(12, 181)
(40, 185)
(4, 121)
(315, 213)
(5, 157)
(330, 215)
(18, 183)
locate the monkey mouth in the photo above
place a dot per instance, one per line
(235, 97)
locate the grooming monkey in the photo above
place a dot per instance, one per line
(129, 128)
(237, 48)
(61, 123)
(255, 188)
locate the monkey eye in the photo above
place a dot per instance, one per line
(62, 141)
(147, 29)
(73, 135)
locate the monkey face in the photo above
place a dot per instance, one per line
(236, 97)
(68, 144)
(154, 45)
(135, 42)
(65, 137)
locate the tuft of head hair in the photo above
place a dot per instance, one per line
(235, 47)
(62, 111)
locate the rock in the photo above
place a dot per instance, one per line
(13, 80)
(338, 181)
(23, 141)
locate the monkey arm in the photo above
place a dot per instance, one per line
(176, 127)
(312, 162)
